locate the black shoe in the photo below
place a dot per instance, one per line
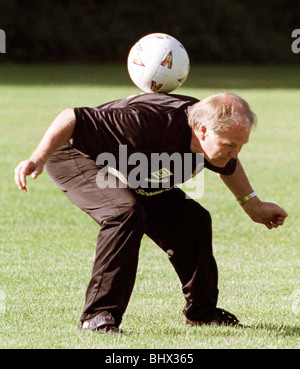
(102, 322)
(222, 317)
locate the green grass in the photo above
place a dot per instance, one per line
(47, 245)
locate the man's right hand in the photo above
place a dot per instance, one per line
(57, 135)
(26, 168)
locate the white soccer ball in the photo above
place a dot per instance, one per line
(158, 63)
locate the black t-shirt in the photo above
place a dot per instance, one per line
(142, 127)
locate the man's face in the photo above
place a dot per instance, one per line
(220, 148)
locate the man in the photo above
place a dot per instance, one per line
(73, 148)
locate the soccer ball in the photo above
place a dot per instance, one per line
(158, 63)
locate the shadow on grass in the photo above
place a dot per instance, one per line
(284, 330)
(201, 76)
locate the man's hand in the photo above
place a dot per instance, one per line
(267, 213)
(26, 168)
(57, 135)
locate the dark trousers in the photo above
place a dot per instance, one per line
(180, 226)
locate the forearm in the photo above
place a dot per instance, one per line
(269, 214)
(57, 135)
(238, 182)
(240, 186)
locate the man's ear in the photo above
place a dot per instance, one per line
(202, 132)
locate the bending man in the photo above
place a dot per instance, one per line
(216, 127)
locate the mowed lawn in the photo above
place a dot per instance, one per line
(47, 244)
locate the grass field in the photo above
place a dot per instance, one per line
(47, 245)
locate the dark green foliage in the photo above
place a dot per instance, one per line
(104, 30)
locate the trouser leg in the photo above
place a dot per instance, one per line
(182, 228)
(122, 221)
(115, 264)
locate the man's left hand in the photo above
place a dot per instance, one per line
(267, 213)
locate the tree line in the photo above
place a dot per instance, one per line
(227, 31)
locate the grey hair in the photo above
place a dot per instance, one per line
(221, 111)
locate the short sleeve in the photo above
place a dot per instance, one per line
(88, 136)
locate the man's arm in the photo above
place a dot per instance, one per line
(58, 134)
(269, 214)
